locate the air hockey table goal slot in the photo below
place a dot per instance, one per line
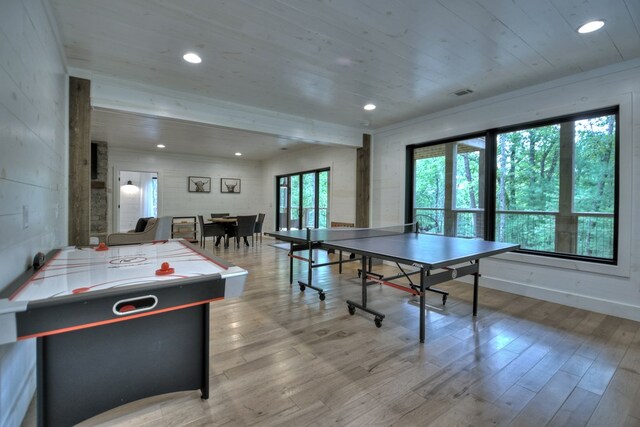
(135, 305)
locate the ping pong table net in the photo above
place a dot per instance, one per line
(333, 234)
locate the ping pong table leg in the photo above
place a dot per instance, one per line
(291, 264)
(475, 288)
(351, 305)
(422, 305)
(364, 280)
(310, 268)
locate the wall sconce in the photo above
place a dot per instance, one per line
(129, 188)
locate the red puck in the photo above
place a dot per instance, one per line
(165, 270)
(102, 247)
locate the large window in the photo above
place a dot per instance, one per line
(550, 187)
(303, 200)
(448, 191)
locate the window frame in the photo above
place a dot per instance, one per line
(410, 172)
(491, 137)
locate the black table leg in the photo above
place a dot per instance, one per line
(475, 289)
(364, 280)
(290, 263)
(351, 305)
(309, 283)
(422, 305)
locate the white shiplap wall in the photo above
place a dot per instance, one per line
(608, 289)
(33, 170)
(342, 179)
(258, 180)
(173, 172)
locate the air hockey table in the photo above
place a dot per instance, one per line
(118, 324)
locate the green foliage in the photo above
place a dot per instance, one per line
(528, 178)
(429, 182)
(595, 165)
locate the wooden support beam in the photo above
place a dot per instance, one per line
(79, 161)
(566, 226)
(363, 182)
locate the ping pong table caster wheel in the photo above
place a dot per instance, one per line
(352, 310)
(322, 296)
(302, 288)
(377, 321)
(444, 299)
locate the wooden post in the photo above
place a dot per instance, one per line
(566, 222)
(450, 219)
(79, 161)
(363, 185)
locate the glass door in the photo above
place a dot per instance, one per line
(283, 202)
(303, 200)
(294, 212)
(309, 200)
(323, 199)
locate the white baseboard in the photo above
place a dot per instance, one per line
(599, 305)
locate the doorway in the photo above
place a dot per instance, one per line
(303, 200)
(138, 198)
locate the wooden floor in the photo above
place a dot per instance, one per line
(282, 357)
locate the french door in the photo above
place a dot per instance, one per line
(303, 200)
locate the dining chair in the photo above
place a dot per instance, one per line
(258, 228)
(228, 227)
(245, 225)
(211, 230)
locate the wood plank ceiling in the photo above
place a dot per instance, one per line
(325, 59)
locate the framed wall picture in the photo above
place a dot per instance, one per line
(199, 184)
(230, 185)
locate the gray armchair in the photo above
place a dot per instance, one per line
(156, 229)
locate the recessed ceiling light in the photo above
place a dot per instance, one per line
(192, 58)
(238, 154)
(591, 26)
(160, 145)
(369, 107)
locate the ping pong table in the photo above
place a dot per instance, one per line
(117, 324)
(436, 259)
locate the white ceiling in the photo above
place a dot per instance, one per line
(140, 132)
(325, 59)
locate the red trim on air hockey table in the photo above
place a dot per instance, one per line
(119, 319)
